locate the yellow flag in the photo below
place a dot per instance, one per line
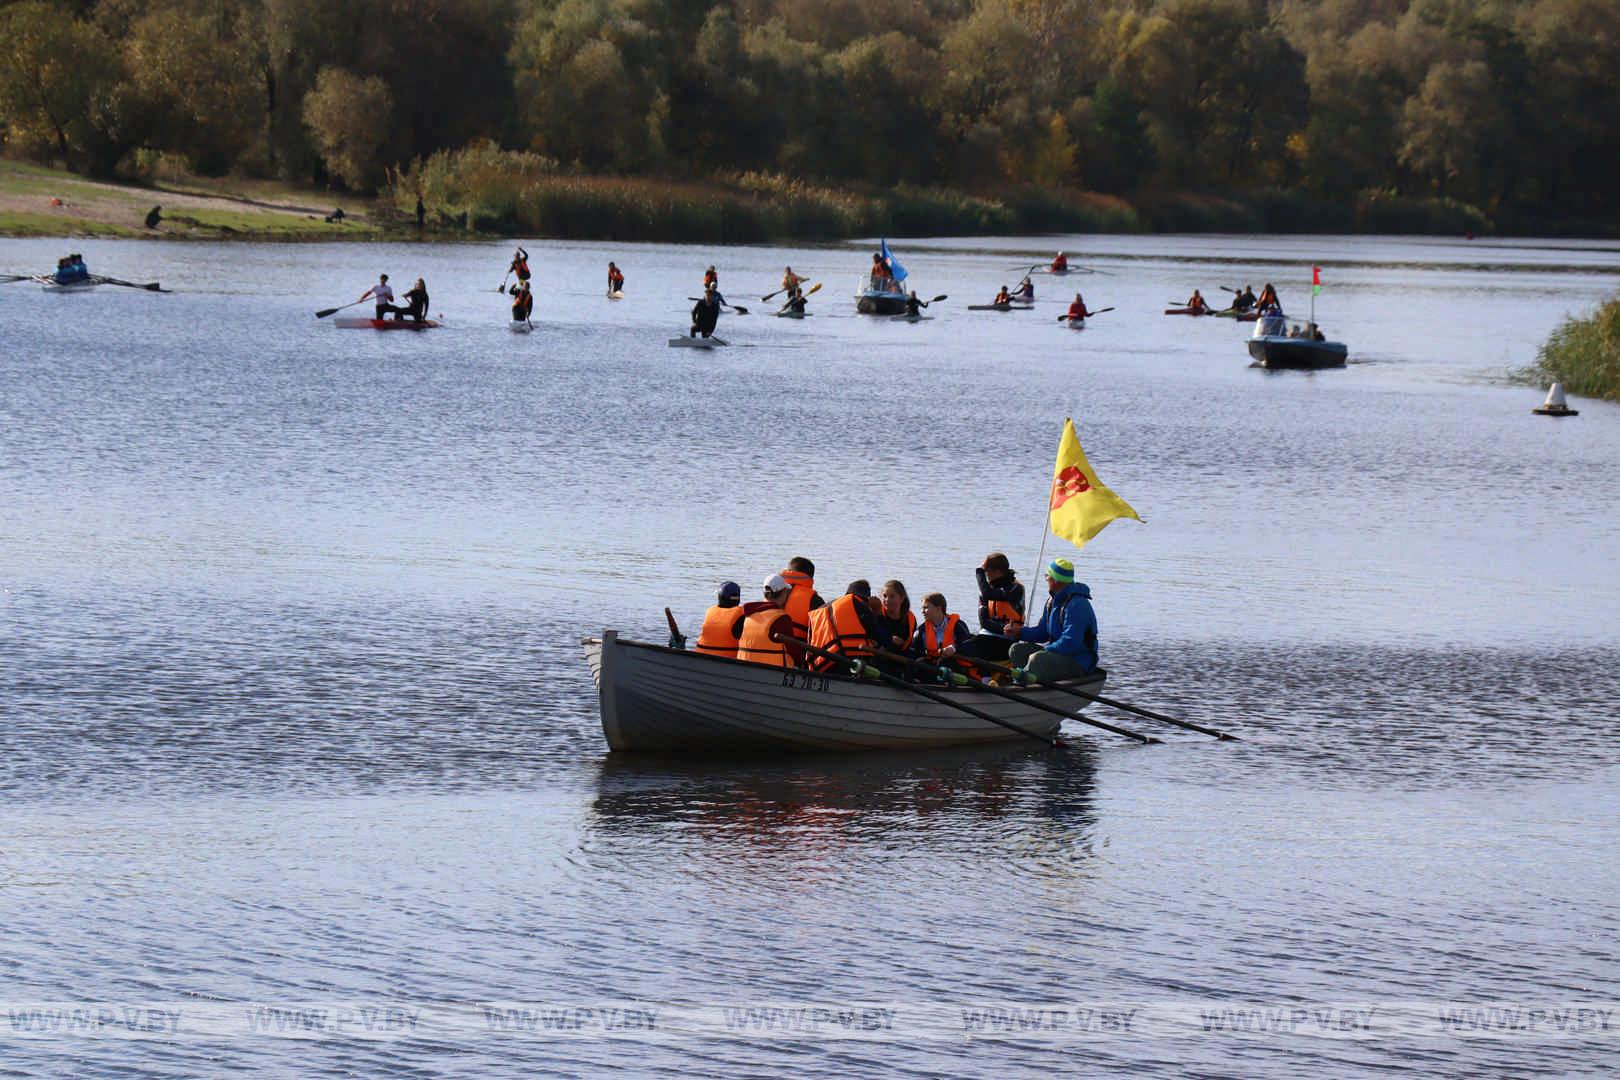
(1081, 503)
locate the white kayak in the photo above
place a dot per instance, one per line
(49, 284)
(616, 294)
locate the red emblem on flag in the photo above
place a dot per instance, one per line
(1316, 275)
(1067, 484)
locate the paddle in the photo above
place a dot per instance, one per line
(1087, 315)
(959, 679)
(738, 308)
(677, 640)
(1021, 674)
(324, 312)
(938, 298)
(861, 669)
(150, 286)
(18, 277)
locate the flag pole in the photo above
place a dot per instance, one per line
(1046, 531)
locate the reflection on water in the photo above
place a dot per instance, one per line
(294, 707)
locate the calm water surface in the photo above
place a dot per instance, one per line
(295, 714)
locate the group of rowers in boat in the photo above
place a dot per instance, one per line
(1266, 303)
(883, 630)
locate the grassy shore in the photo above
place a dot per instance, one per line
(486, 192)
(1584, 355)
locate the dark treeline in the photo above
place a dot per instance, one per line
(1511, 106)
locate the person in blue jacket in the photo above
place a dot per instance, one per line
(1063, 645)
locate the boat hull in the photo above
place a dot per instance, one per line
(1297, 353)
(384, 324)
(695, 342)
(880, 303)
(666, 700)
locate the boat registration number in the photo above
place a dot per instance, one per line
(804, 680)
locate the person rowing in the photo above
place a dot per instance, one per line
(69, 269)
(1196, 304)
(520, 265)
(795, 302)
(706, 312)
(1060, 264)
(1002, 298)
(790, 280)
(1244, 300)
(1025, 293)
(1077, 310)
(615, 279)
(914, 306)
(522, 302)
(383, 294)
(417, 305)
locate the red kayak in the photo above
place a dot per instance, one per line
(383, 324)
(1186, 311)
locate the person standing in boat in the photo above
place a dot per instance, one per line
(848, 625)
(520, 265)
(1063, 645)
(767, 634)
(1060, 264)
(882, 274)
(706, 312)
(522, 302)
(383, 294)
(416, 302)
(722, 623)
(615, 279)
(1077, 313)
(1001, 605)
(790, 280)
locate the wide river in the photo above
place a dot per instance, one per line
(302, 767)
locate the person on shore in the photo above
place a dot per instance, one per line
(336, 216)
(849, 625)
(1001, 606)
(383, 294)
(722, 623)
(615, 279)
(421, 213)
(522, 302)
(767, 634)
(416, 305)
(153, 216)
(1063, 645)
(940, 634)
(914, 306)
(1077, 313)
(1060, 264)
(1003, 297)
(1025, 292)
(706, 312)
(1196, 303)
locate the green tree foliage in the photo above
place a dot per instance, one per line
(1507, 106)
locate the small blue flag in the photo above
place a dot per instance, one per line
(894, 263)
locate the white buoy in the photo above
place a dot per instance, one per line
(1555, 404)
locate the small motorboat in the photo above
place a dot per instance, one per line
(384, 324)
(1277, 344)
(655, 698)
(876, 299)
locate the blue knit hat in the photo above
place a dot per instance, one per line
(730, 588)
(1061, 571)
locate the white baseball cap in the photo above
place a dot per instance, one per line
(775, 583)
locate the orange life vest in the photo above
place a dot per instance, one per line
(1078, 311)
(1060, 263)
(932, 645)
(1004, 610)
(837, 627)
(521, 268)
(721, 628)
(755, 645)
(798, 604)
(711, 278)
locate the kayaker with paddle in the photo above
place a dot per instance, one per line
(796, 301)
(1060, 264)
(1001, 604)
(706, 312)
(1077, 313)
(1002, 297)
(383, 294)
(722, 623)
(520, 265)
(790, 280)
(417, 302)
(1063, 645)
(914, 306)
(615, 279)
(1196, 303)
(1025, 293)
(522, 302)
(1244, 300)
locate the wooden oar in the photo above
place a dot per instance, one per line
(861, 668)
(677, 640)
(960, 679)
(324, 312)
(1021, 674)
(1087, 315)
(150, 286)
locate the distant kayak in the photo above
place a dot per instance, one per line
(616, 295)
(1000, 307)
(1186, 311)
(911, 318)
(1240, 316)
(1075, 324)
(383, 324)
